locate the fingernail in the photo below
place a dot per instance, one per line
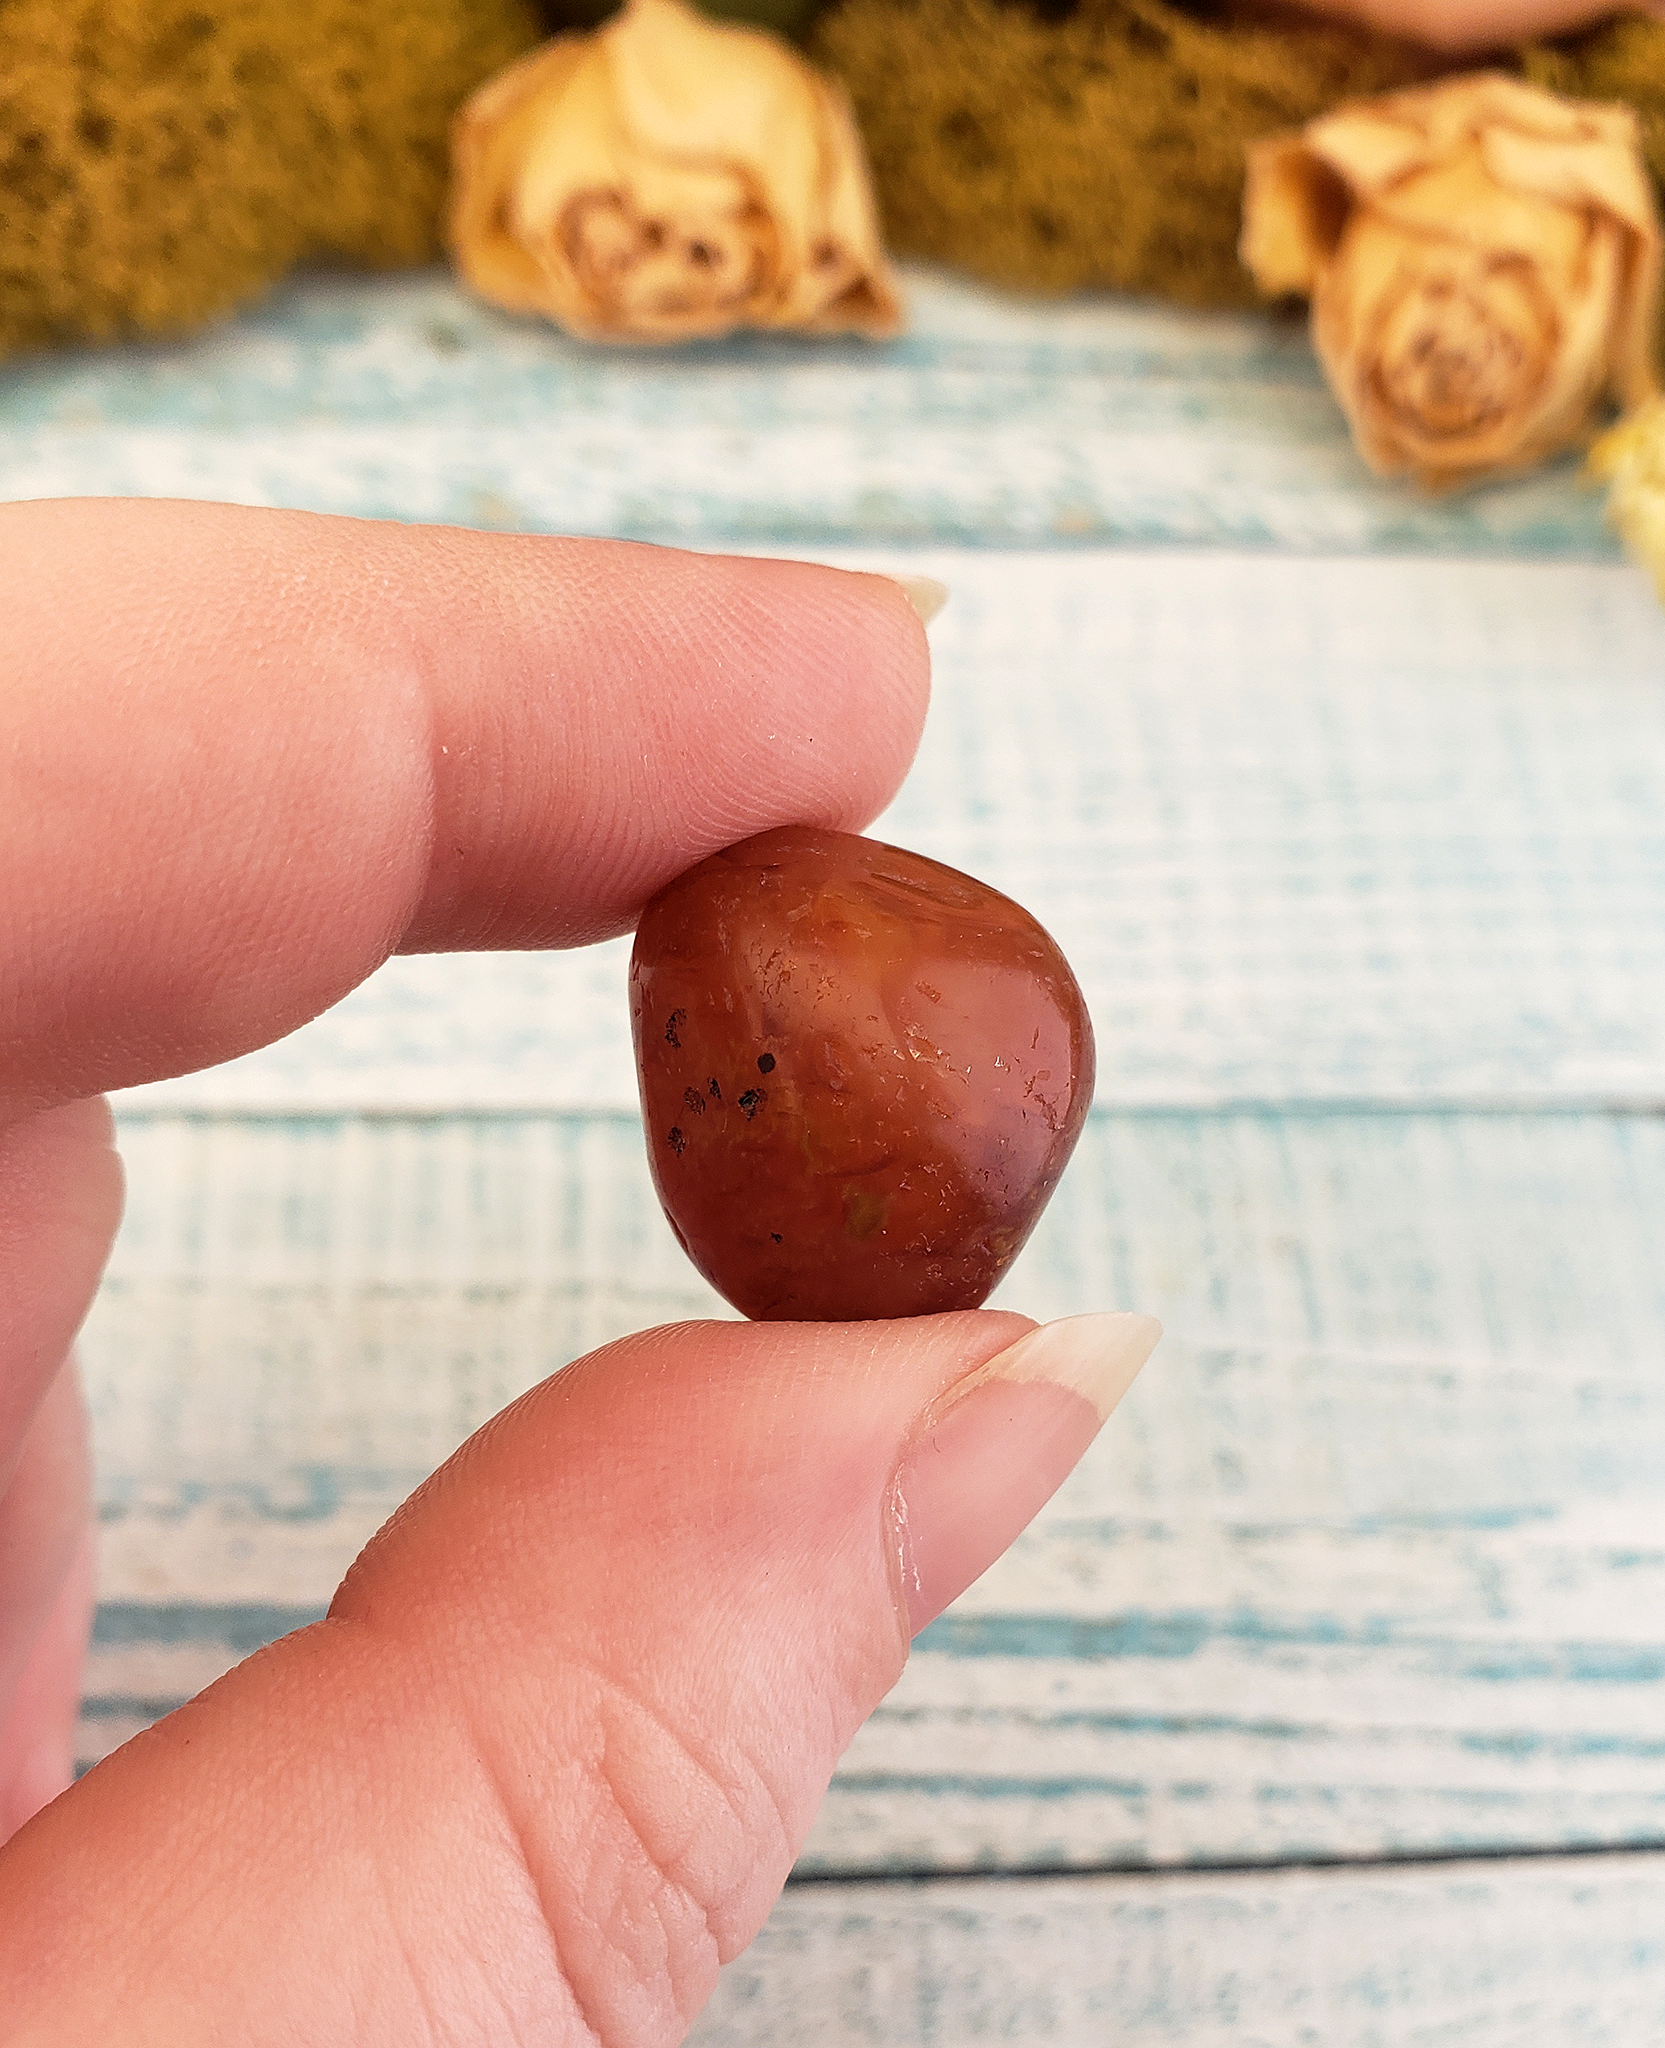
(997, 1446)
(925, 594)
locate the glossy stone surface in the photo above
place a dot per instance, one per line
(862, 1074)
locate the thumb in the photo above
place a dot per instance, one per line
(549, 1759)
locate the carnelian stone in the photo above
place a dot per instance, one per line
(862, 1074)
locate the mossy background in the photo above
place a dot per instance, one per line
(1104, 147)
(162, 161)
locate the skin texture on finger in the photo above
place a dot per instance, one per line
(247, 755)
(60, 1203)
(550, 1758)
(38, 1732)
(1459, 27)
(45, 1599)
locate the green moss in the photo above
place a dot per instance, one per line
(1100, 147)
(162, 161)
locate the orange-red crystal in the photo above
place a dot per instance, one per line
(862, 1074)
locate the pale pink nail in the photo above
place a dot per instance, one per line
(998, 1445)
(925, 594)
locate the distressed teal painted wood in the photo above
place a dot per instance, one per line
(1556, 1955)
(1372, 1560)
(1354, 831)
(993, 422)
(1347, 805)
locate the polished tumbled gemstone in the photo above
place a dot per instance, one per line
(862, 1074)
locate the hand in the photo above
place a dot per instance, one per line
(1464, 27)
(551, 1755)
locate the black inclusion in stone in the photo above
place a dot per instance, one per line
(766, 1063)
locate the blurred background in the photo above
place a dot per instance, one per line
(1326, 1703)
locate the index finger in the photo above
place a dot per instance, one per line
(247, 755)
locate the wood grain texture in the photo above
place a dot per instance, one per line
(1540, 1955)
(1372, 831)
(1347, 805)
(994, 422)
(1372, 1559)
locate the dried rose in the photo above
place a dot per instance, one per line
(1483, 260)
(667, 177)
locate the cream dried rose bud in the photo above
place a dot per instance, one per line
(666, 177)
(1483, 260)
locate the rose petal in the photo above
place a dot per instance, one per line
(1497, 269)
(489, 142)
(1294, 209)
(668, 177)
(689, 89)
(1587, 171)
(1370, 147)
(847, 284)
(1634, 377)
(1457, 201)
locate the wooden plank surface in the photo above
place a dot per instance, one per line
(1372, 1561)
(1353, 831)
(1535, 1955)
(1348, 806)
(994, 422)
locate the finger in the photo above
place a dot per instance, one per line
(248, 754)
(550, 1758)
(40, 1731)
(45, 1599)
(60, 1203)
(1456, 26)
